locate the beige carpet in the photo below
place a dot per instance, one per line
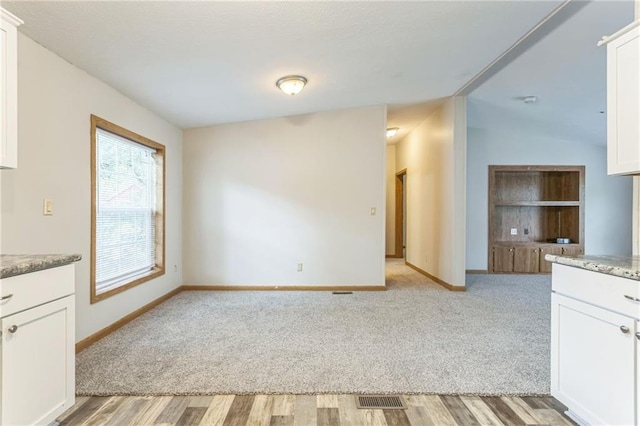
(415, 338)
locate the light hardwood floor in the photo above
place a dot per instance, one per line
(308, 410)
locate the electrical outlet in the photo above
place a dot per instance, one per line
(514, 231)
(47, 207)
(299, 267)
(373, 211)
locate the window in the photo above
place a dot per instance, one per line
(127, 209)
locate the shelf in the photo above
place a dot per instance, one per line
(538, 203)
(529, 206)
(532, 243)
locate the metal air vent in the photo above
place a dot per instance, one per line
(381, 402)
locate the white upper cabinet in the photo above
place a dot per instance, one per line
(8, 90)
(623, 100)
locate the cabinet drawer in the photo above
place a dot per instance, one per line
(598, 289)
(35, 288)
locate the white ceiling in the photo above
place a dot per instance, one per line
(566, 71)
(203, 63)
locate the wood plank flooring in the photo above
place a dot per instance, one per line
(308, 410)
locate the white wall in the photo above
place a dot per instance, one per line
(55, 100)
(261, 196)
(455, 124)
(434, 156)
(390, 243)
(497, 137)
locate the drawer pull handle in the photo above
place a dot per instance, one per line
(7, 297)
(635, 299)
(638, 335)
(13, 328)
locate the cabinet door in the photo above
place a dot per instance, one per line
(8, 94)
(637, 335)
(502, 259)
(571, 251)
(545, 266)
(593, 361)
(526, 260)
(38, 368)
(623, 104)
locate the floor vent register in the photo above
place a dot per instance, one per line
(381, 402)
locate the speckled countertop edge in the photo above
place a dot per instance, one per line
(18, 264)
(619, 266)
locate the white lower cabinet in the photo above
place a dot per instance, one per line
(595, 346)
(593, 372)
(637, 336)
(37, 363)
(37, 354)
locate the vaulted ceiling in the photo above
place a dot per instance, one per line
(566, 71)
(203, 63)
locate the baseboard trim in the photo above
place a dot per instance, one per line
(282, 288)
(82, 344)
(393, 256)
(436, 279)
(476, 271)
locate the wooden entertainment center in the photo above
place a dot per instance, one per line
(530, 207)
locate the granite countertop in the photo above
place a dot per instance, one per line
(620, 266)
(18, 264)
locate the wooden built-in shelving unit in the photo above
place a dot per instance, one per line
(541, 203)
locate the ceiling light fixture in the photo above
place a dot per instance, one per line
(391, 131)
(291, 84)
(529, 99)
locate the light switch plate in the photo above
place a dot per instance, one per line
(514, 231)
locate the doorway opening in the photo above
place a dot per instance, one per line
(401, 214)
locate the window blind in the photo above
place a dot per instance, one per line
(125, 210)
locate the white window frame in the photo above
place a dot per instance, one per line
(158, 268)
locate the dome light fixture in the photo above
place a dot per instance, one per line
(391, 131)
(530, 99)
(291, 84)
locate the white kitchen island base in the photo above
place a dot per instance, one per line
(595, 339)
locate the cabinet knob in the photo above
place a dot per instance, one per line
(638, 335)
(510, 249)
(635, 299)
(624, 329)
(13, 328)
